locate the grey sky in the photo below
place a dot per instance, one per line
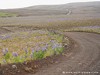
(4, 4)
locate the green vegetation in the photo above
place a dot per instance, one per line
(29, 45)
(3, 14)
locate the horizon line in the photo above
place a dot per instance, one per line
(43, 5)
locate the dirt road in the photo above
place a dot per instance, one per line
(84, 59)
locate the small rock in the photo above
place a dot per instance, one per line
(18, 71)
(80, 63)
(56, 62)
(63, 72)
(14, 66)
(36, 66)
(28, 69)
(66, 44)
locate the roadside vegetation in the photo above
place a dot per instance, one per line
(29, 45)
(92, 25)
(94, 29)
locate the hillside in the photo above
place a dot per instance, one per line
(43, 15)
(73, 8)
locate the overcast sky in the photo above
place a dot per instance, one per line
(4, 4)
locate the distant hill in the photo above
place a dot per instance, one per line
(64, 9)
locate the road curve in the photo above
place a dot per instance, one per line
(84, 59)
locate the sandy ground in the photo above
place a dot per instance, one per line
(85, 57)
